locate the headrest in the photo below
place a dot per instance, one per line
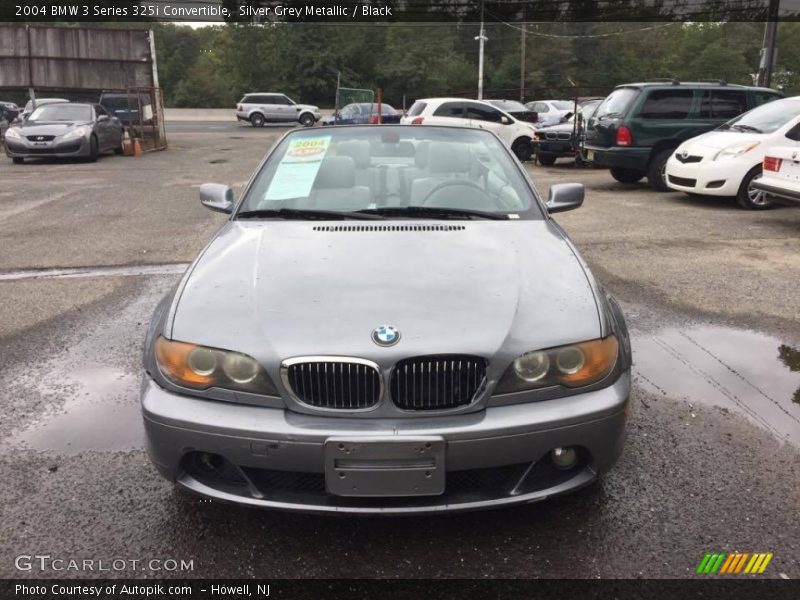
(358, 150)
(421, 156)
(447, 157)
(336, 172)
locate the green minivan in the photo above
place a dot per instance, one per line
(638, 126)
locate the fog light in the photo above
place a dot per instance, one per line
(564, 458)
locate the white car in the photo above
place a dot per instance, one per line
(551, 112)
(781, 178)
(258, 108)
(724, 162)
(462, 112)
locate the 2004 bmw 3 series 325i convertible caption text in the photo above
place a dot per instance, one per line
(390, 322)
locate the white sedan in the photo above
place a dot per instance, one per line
(724, 162)
(781, 178)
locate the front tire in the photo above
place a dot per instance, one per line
(257, 120)
(749, 198)
(94, 150)
(547, 160)
(626, 175)
(656, 172)
(307, 120)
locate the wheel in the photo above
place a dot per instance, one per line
(547, 159)
(750, 198)
(257, 120)
(656, 172)
(522, 149)
(626, 175)
(18, 160)
(94, 150)
(307, 120)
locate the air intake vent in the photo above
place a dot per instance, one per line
(437, 382)
(388, 228)
(334, 383)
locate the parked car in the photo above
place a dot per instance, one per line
(638, 126)
(461, 112)
(29, 106)
(363, 113)
(781, 175)
(725, 162)
(563, 140)
(422, 342)
(128, 108)
(551, 112)
(260, 108)
(10, 111)
(64, 130)
(516, 109)
(3, 125)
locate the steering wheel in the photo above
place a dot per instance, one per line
(456, 182)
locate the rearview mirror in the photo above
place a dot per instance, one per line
(564, 196)
(217, 197)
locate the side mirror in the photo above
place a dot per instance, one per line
(564, 196)
(505, 120)
(217, 197)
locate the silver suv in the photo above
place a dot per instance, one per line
(260, 108)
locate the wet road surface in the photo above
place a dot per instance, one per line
(712, 461)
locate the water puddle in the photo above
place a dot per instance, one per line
(71, 272)
(753, 374)
(101, 414)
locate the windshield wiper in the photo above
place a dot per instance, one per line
(297, 213)
(434, 212)
(746, 128)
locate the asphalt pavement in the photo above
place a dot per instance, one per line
(712, 462)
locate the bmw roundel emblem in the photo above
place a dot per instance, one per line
(685, 153)
(385, 335)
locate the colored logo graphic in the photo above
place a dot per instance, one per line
(734, 563)
(385, 335)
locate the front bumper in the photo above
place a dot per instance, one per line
(710, 178)
(492, 458)
(16, 148)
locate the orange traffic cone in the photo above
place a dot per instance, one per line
(137, 147)
(127, 146)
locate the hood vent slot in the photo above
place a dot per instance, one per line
(388, 228)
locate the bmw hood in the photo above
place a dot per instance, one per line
(278, 289)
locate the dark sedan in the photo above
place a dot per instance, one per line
(563, 140)
(363, 113)
(516, 110)
(64, 131)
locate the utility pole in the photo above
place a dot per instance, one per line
(769, 49)
(482, 38)
(522, 60)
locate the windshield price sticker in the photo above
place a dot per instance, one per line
(298, 168)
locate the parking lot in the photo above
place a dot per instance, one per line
(711, 463)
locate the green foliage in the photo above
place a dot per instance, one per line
(215, 66)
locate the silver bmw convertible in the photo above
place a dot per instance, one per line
(389, 322)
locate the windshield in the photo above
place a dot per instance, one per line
(393, 168)
(62, 112)
(767, 118)
(616, 103)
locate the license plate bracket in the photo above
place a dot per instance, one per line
(385, 467)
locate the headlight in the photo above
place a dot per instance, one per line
(200, 368)
(575, 365)
(736, 150)
(13, 133)
(77, 132)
